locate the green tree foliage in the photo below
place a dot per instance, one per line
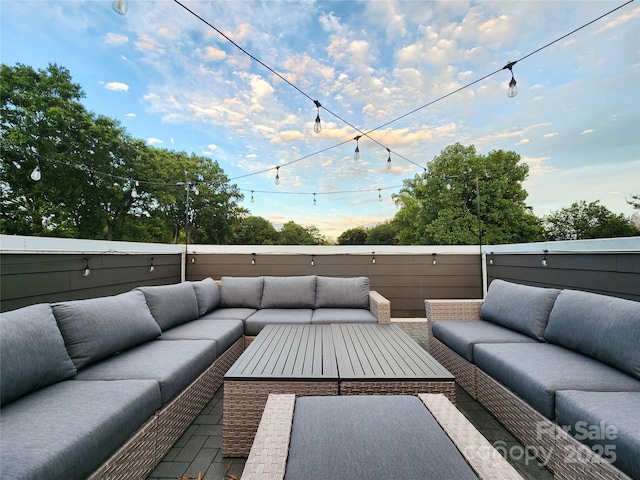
(384, 234)
(440, 207)
(294, 234)
(90, 167)
(250, 230)
(583, 221)
(354, 236)
(634, 202)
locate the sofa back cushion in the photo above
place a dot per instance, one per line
(171, 305)
(289, 292)
(32, 352)
(601, 327)
(522, 308)
(208, 295)
(99, 327)
(241, 292)
(334, 292)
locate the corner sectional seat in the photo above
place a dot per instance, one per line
(102, 388)
(559, 368)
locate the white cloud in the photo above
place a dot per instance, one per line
(153, 141)
(586, 132)
(116, 38)
(130, 115)
(214, 54)
(117, 86)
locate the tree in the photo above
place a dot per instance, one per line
(294, 234)
(466, 198)
(583, 221)
(252, 230)
(634, 202)
(353, 236)
(383, 234)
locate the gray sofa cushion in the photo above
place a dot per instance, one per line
(174, 365)
(224, 332)
(370, 437)
(67, 430)
(601, 327)
(289, 292)
(208, 295)
(343, 315)
(533, 372)
(460, 335)
(581, 414)
(229, 314)
(99, 327)
(521, 308)
(334, 292)
(32, 352)
(171, 305)
(243, 292)
(256, 322)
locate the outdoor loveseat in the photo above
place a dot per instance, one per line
(559, 368)
(102, 388)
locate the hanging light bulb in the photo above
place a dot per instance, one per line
(36, 175)
(356, 154)
(379, 195)
(253, 259)
(134, 192)
(314, 199)
(389, 160)
(313, 262)
(120, 6)
(373, 257)
(87, 270)
(252, 196)
(195, 190)
(512, 91)
(278, 175)
(317, 127)
(151, 267)
(434, 261)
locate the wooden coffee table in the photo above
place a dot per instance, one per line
(337, 359)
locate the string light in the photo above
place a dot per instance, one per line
(151, 267)
(434, 261)
(313, 262)
(36, 174)
(512, 91)
(373, 257)
(134, 192)
(379, 195)
(544, 257)
(278, 175)
(356, 153)
(87, 270)
(317, 127)
(253, 259)
(389, 160)
(252, 196)
(121, 7)
(314, 200)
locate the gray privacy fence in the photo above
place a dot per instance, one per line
(36, 269)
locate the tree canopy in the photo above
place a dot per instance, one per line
(95, 181)
(464, 198)
(584, 220)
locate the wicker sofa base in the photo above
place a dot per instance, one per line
(398, 388)
(464, 371)
(144, 450)
(535, 431)
(244, 403)
(268, 457)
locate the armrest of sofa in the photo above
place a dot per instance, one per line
(438, 310)
(380, 307)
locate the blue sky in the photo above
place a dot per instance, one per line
(173, 81)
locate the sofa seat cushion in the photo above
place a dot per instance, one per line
(335, 292)
(69, 429)
(229, 314)
(174, 365)
(602, 327)
(256, 322)
(32, 352)
(370, 437)
(535, 371)
(243, 292)
(97, 328)
(289, 292)
(224, 332)
(171, 305)
(460, 335)
(343, 315)
(608, 422)
(522, 308)
(208, 295)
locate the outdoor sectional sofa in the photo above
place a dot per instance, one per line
(559, 368)
(102, 388)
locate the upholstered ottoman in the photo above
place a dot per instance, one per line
(372, 437)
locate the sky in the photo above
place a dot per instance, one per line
(389, 67)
